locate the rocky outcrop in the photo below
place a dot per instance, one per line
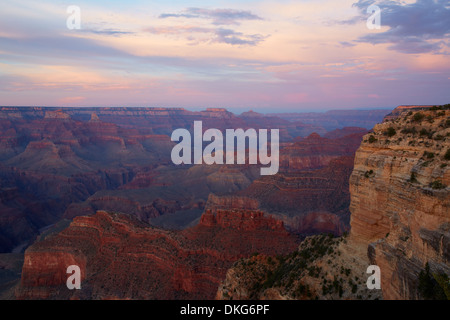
(231, 203)
(400, 199)
(121, 257)
(322, 267)
(403, 110)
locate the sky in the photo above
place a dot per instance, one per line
(266, 56)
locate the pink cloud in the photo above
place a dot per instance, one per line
(71, 100)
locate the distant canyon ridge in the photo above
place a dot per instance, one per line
(71, 174)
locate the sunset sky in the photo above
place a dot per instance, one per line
(269, 56)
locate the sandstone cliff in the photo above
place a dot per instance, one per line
(400, 198)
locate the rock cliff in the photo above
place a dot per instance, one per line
(400, 198)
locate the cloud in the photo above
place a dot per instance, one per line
(346, 44)
(218, 16)
(107, 32)
(59, 46)
(420, 27)
(215, 35)
(237, 38)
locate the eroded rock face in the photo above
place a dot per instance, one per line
(315, 152)
(400, 198)
(308, 201)
(122, 257)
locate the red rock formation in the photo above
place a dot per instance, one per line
(402, 110)
(246, 220)
(123, 258)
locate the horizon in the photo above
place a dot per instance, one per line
(267, 56)
(203, 109)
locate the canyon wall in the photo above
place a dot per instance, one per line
(400, 198)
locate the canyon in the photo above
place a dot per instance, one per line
(58, 163)
(96, 187)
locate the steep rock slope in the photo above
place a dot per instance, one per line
(401, 198)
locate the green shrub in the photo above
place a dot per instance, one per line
(390, 132)
(428, 155)
(429, 288)
(437, 185)
(447, 155)
(372, 139)
(367, 174)
(409, 130)
(418, 117)
(413, 178)
(426, 164)
(443, 281)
